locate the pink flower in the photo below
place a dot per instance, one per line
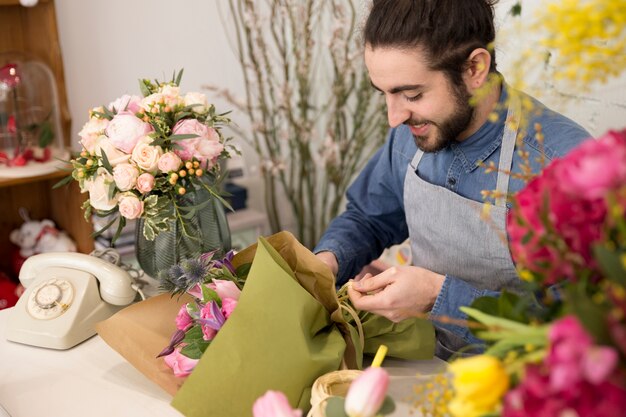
(228, 305)
(180, 364)
(367, 393)
(225, 289)
(128, 103)
(145, 183)
(207, 331)
(168, 162)
(183, 319)
(595, 167)
(125, 176)
(145, 155)
(206, 147)
(125, 130)
(130, 206)
(558, 217)
(90, 132)
(274, 404)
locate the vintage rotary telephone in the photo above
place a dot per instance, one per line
(66, 294)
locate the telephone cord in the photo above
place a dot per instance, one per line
(112, 256)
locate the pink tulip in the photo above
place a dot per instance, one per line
(180, 364)
(225, 289)
(274, 404)
(367, 393)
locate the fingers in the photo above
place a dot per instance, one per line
(370, 283)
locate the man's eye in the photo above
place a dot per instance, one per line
(414, 98)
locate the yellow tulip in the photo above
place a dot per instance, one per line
(479, 383)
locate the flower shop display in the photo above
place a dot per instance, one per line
(157, 159)
(31, 140)
(314, 120)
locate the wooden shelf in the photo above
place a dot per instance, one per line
(9, 182)
(33, 31)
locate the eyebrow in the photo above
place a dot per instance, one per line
(400, 88)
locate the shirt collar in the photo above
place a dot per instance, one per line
(480, 145)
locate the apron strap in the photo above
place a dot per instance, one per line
(507, 149)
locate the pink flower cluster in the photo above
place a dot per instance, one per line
(132, 134)
(560, 214)
(210, 319)
(576, 378)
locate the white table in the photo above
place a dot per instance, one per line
(93, 380)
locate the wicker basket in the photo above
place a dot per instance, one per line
(328, 385)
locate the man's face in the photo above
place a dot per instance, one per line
(436, 112)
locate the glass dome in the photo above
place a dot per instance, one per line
(31, 138)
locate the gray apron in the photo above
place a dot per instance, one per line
(449, 236)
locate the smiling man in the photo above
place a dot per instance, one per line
(450, 114)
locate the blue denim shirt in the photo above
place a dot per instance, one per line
(374, 218)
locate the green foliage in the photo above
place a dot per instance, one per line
(195, 343)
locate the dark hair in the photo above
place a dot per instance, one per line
(447, 30)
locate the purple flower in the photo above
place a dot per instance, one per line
(176, 339)
(211, 319)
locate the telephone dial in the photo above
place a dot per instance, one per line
(66, 294)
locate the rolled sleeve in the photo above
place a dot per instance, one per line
(456, 293)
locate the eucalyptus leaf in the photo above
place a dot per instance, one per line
(175, 138)
(64, 181)
(105, 161)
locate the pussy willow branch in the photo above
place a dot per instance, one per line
(285, 61)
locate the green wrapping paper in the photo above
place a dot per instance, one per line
(279, 337)
(287, 330)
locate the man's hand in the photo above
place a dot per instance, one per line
(397, 293)
(329, 259)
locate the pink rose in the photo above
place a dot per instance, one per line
(206, 147)
(228, 305)
(125, 130)
(126, 103)
(168, 162)
(130, 206)
(183, 319)
(274, 404)
(90, 133)
(180, 364)
(145, 183)
(145, 155)
(595, 167)
(367, 393)
(225, 289)
(125, 176)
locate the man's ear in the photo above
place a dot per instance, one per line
(477, 69)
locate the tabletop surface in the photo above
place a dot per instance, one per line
(93, 380)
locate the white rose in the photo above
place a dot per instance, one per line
(90, 132)
(145, 155)
(131, 207)
(198, 101)
(125, 176)
(100, 188)
(114, 155)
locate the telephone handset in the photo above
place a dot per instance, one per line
(66, 294)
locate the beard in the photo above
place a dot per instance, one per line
(448, 131)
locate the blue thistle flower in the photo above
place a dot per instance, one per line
(194, 270)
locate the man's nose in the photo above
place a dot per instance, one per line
(397, 113)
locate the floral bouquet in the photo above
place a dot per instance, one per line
(215, 286)
(141, 158)
(559, 349)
